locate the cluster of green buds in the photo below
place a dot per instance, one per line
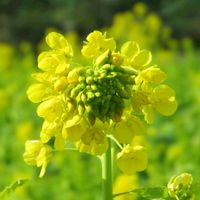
(84, 104)
(180, 187)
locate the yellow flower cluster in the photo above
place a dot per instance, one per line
(139, 24)
(85, 104)
(180, 187)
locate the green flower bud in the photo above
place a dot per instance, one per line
(89, 71)
(90, 95)
(107, 67)
(83, 97)
(94, 87)
(117, 99)
(129, 70)
(105, 106)
(97, 94)
(89, 80)
(91, 118)
(81, 79)
(88, 108)
(81, 108)
(88, 87)
(120, 90)
(76, 90)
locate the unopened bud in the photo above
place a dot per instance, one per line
(60, 84)
(81, 108)
(97, 94)
(103, 58)
(89, 80)
(90, 95)
(73, 75)
(117, 59)
(76, 90)
(91, 118)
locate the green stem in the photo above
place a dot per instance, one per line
(106, 162)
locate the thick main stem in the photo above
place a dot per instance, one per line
(106, 162)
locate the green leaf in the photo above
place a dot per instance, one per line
(11, 188)
(148, 193)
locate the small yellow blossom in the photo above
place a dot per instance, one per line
(96, 44)
(37, 153)
(93, 141)
(58, 42)
(127, 128)
(132, 159)
(50, 109)
(74, 133)
(151, 75)
(49, 129)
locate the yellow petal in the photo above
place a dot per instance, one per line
(43, 158)
(128, 128)
(95, 36)
(130, 49)
(74, 133)
(38, 92)
(59, 142)
(32, 148)
(152, 75)
(73, 75)
(142, 59)
(132, 159)
(148, 113)
(165, 101)
(166, 108)
(163, 92)
(49, 130)
(48, 63)
(58, 42)
(50, 109)
(89, 51)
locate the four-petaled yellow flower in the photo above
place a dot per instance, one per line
(37, 153)
(132, 159)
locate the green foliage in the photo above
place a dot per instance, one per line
(11, 188)
(147, 193)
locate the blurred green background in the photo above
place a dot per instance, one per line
(170, 29)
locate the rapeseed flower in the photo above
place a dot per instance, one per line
(109, 97)
(132, 159)
(180, 187)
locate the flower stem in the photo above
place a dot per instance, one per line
(106, 162)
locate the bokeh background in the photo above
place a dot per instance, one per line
(170, 29)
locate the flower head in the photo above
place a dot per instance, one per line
(84, 104)
(179, 187)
